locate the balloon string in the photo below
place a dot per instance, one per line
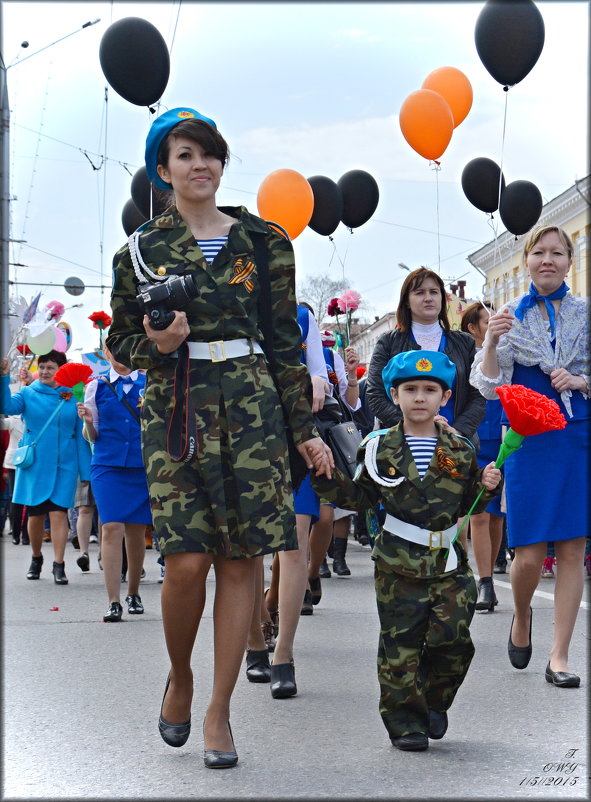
(335, 252)
(437, 168)
(346, 252)
(502, 150)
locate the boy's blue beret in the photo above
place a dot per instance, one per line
(412, 365)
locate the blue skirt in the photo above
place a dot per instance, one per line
(121, 494)
(305, 500)
(547, 486)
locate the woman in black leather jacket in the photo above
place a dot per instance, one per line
(423, 324)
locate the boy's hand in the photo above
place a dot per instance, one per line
(491, 476)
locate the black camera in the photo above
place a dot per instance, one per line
(158, 300)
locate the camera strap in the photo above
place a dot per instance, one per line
(181, 438)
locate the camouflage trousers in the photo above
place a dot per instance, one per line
(425, 648)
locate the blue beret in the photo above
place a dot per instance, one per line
(411, 365)
(159, 129)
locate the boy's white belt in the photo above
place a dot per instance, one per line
(424, 537)
(220, 350)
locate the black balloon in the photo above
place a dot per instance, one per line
(480, 182)
(520, 207)
(328, 205)
(360, 197)
(509, 38)
(135, 60)
(131, 217)
(141, 190)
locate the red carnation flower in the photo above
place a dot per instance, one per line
(333, 307)
(100, 320)
(361, 371)
(529, 412)
(74, 375)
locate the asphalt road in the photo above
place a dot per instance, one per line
(81, 700)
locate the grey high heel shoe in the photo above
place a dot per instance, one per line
(171, 733)
(216, 759)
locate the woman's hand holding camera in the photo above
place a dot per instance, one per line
(168, 340)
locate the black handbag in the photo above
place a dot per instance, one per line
(337, 428)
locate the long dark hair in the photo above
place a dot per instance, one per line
(412, 282)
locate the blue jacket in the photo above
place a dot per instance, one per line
(61, 454)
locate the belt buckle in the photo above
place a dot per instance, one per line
(212, 350)
(440, 544)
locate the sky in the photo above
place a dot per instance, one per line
(314, 87)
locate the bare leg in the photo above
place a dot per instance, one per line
(111, 557)
(525, 575)
(568, 592)
(183, 600)
(232, 614)
(487, 532)
(83, 526)
(292, 586)
(272, 595)
(256, 640)
(320, 537)
(36, 532)
(135, 545)
(58, 523)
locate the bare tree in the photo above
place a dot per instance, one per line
(318, 291)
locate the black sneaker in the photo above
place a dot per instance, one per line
(83, 562)
(134, 604)
(34, 571)
(114, 612)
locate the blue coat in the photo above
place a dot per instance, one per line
(61, 453)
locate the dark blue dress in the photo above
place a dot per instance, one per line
(489, 433)
(547, 479)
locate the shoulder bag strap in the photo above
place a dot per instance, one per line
(48, 421)
(123, 400)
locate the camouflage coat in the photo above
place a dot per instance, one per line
(435, 502)
(235, 497)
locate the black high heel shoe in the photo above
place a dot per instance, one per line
(283, 684)
(486, 595)
(519, 656)
(216, 759)
(171, 733)
(258, 668)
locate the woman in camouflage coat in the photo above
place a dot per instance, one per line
(232, 498)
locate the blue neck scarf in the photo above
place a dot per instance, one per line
(530, 300)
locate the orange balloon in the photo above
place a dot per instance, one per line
(454, 87)
(286, 197)
(426, 123)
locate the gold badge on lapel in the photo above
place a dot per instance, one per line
(161, 271)
(447, 464)
(392, 471)
(242, 272)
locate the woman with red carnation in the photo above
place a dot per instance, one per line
(539, 341)
(48, 486)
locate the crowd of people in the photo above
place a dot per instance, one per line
(203, 432)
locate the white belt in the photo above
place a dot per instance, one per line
(424, 537)
(220, 350)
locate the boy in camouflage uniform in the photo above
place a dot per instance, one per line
(425, 588)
